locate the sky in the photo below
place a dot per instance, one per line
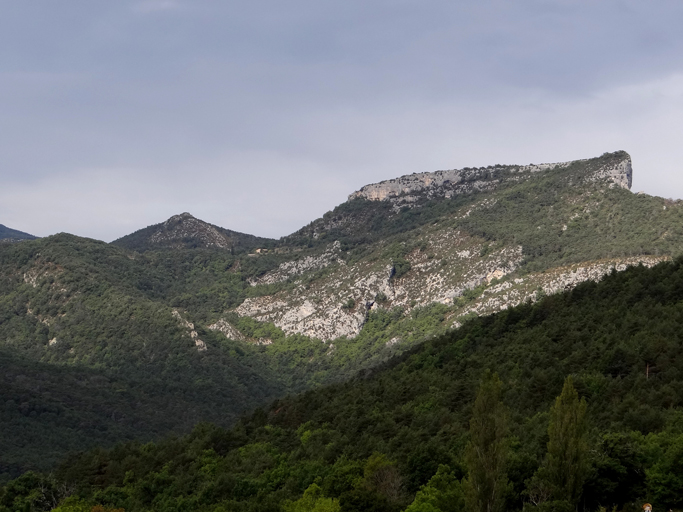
(260, 116)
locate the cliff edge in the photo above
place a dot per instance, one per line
(613, 168)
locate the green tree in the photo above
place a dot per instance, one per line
(442, 493)
(313, 501)
(566, 465)
(486, 454)
(665, 478)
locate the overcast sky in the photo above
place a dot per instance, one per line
(259, 116)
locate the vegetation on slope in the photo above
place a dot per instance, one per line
(115, 363)
(397, 436)
(171, 235)
(12, 234)
(557, 216)
(82, 307)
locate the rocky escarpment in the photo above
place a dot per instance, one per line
(617, 173)
(409, 188)
(189, 326)
(450, 270)
(443, 266)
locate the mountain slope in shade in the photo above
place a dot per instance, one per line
(96, 347)
(12, 235)
(187, 232)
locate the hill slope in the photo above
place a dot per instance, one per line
(91, 355)
(371, 443)
(492, 236)
(185, 231)
(12, 235)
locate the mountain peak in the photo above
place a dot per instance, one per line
(186, 231)
(181, 216)
(181, 228)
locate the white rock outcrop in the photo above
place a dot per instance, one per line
(227, 329)
(201, 345)
(458, 181)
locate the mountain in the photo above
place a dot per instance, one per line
(397, 436)
(12, 235)
(183, 327)
(185, 231)
(477, 239)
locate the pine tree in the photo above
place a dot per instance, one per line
(486, 455)
(567, 448)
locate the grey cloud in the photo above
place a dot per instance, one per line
(302, 99)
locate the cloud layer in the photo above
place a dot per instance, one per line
(261, 116)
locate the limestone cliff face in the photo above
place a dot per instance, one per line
(337, 304)
(451, 182)
(618, 174)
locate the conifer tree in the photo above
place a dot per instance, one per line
(567, 448)
(486, 454)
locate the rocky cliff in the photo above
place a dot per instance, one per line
(406, 189)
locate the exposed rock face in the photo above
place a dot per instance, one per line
(337, 304)
(451, 266)
(452, 182)
(227, 329)
(289, 269)
(511, 293)
(201, 345)
(619, 174)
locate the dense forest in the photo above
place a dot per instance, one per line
(573, 402)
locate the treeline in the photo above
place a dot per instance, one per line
(440, 427)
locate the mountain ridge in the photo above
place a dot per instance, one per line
(8, 235)
(454, 181)
(458, 242)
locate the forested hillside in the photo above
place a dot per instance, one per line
(404, 436)
(93, 352)
(184, 322)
